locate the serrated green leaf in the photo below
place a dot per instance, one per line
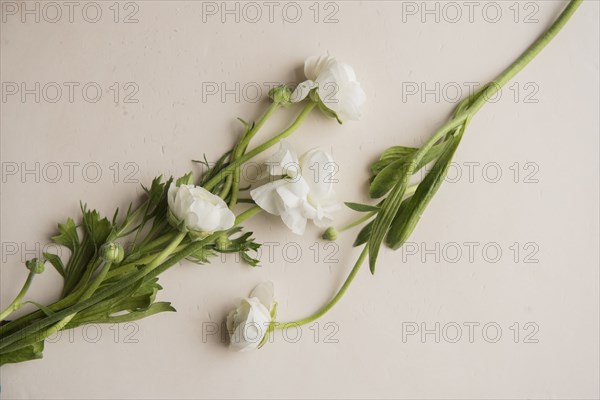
(361, 207)
(97, 228)
(406, 219)
(185, 180)
(67, 236)
(214, 170)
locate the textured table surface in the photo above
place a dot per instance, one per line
(496, 293)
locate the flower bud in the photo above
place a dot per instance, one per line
(35, 265)
(112, 252)
(281, 95)
(195, 209)
(248, 325)
(330, 234)
(222, 242)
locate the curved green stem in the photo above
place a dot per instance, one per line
(460, 119)
(358, 221)
(479, 99)
(259, 149)
(528, 55)
(252, 211)
(333, 301)
(16, 303)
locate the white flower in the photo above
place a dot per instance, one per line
(249, 322)
(336, 84)
(199, 209)
(306, 191)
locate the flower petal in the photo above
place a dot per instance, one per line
(313, 66)
(265, 196)
(302, 90)
(265, 293)
(294, 219)
(284, 161)
(318, 170)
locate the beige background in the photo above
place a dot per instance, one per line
(541, 136)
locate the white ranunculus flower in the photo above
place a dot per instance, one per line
(199, 209)
(306, 191)
(249, 322)
(336, 84)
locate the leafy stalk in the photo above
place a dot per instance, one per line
(397, 215)
(394, 223)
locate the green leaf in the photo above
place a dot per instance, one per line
(363, 235)
(390, 155)
(214, 170)
(156, 190)
(31, 352)
(185, 180)
(361, 207)
(67, 235)
(399, 153)
(406, 219)
(56, 263)
(387, 178)
(433, 153)
(155, 308)
(97, 228)
(384, 218)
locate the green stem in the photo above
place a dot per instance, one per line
(333, 301)
(480, 98)
(16, 303)
(89, 291)
(126, 267)
(529, 54)
(252, 211)
(131, 267)
(259, 149)
(462, 117)
(35, 332)
(233, 180)
(241, 147)
(357, 222)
